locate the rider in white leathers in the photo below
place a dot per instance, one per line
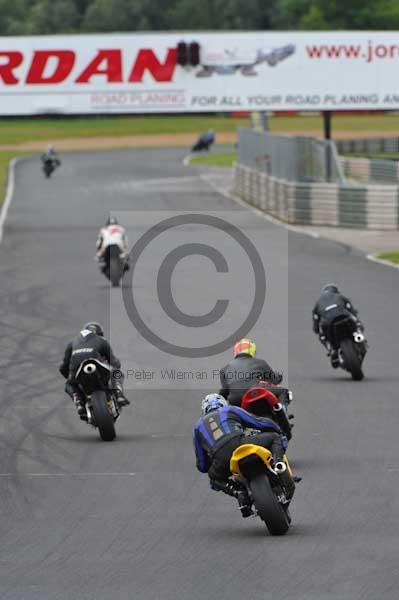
(111, 234)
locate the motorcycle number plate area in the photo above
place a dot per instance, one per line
(330, 307)
(248, 432)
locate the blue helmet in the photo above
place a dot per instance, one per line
(212, 402)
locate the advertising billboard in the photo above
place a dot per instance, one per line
(237, 71)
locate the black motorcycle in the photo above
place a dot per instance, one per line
(114, 264)
(203, 143)
(49, 166)
(351, 343)
(102, 409)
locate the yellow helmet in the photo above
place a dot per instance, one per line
(245, 346)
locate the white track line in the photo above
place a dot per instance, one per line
(9, 194)
(187, 159)
(382, 261)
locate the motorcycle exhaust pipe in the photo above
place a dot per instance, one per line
(89, 369)
(280, 467)
(358, 337)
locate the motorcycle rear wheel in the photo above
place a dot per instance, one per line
(115, 270)
(352, 361)
(269, 508)
(102, 417)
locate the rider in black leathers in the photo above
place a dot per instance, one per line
(90, 343)
(245, 371)
(328, 307)
(51, 156)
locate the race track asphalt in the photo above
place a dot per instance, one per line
(133, 519)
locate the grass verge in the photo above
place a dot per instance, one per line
(18, 131)
(5, 158)
(386, 123)
(391, 256)
(222, 159)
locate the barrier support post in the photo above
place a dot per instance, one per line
(327, 136)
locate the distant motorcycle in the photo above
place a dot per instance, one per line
(93, 377)
(201, 145)
(251, 467)
(114, 264)
(351, 343)
(204, 142)
(49, 165)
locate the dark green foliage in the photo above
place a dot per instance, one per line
(22, 17)
(50, 16)
(13, 14)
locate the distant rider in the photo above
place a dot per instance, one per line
(219, 431)
(51, 156)
(328, 307)
(111, 234)
(205, 141)
(244, 372)
(208, 138)
(90, 343)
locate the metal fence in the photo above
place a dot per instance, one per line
(293, 158)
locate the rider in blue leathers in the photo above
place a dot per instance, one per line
(219, 431)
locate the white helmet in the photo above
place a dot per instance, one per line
(212, 402)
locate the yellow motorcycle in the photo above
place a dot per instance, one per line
(269, 489)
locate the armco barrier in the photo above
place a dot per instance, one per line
(370, 170)
(360, 207)
(381, 144)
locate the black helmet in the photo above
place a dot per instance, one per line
(112, 221)
(330, 287)
(94, 327)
